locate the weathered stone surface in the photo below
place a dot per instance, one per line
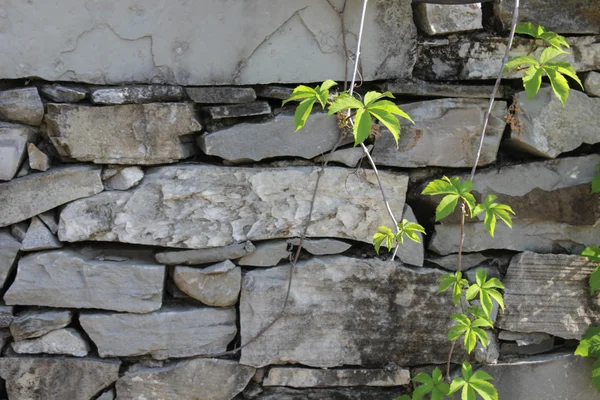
(63, 94)
(49, 219)
(266, 254)
(122, 178)
(442, 19)
(549, 293)
(296, 42)
(321, 247)
(481, 58)
(65, 278)
(136, 94)
(304, 377)
(154, 133)
(197, 379)
(218, 285)
(34, 323)
(410, 252)
(237, 110)
(56, 378)
(274, 92)
(38, 160)
(273, 138)
(446, 133)
(108, 395)
(45, 191)
(9, 247)
(341, 312)
(21, 105)
(199, 206)
(512, 350)
(334, 393)
(415, 87)
(349, 157)
(39, 237)
(470, 261)
(592, 84)
(13, 146)
(221, 95)
(490, 353)
(6, 315)
(205, 256)
(570, 16)
(63, 341)
(544, 121)
(171, 332)
(524, 339)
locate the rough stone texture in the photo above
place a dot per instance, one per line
(334, 393)
(56, 378)
(38, 160)
(21, 105)
(39, 237)
(304, 377)
(237, 110)
(321, 247)
(45, 191)
(256, 43)
(341, 312)
(6, 315)
(524, 339)
(481, 58)
(197, 379)
(218, 285)
(549, 293)
(470, 261)
(63, 341)
(154, 133)
(205, 256)
(274, 92)
(4, 338)
(491, 353)
(108, 395)
(199, 206)
(63, 94)
(221, 95)
(273, 138)
(410, 252)
(266, 254)
(49, 219)
(136, 94)
(442, 19)
(415, 87)
(513, 350)
(592, 84)
(545, 121)
(13, 148)
(445, 134)
(570, 16)
(65, 278)
(171, 332)
(9, 247)
(349, 157)
(34, 323)
(122, 178)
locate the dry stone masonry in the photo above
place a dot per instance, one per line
(154, 194)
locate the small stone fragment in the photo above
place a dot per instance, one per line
(9, 247)
(63, 341)
(524, 339)
(13, 146)
(349, 157)
(266, 254)
(321, 247)
(206, 256)
(122, 178)
(238, 110)
(221, 95)
(218, 285)
(442, 19)
(6, 315)
(34, 323)
(136, 94)
(411, 252)
(19, 230)
(592, 84)
(469, 261)
(24, 170)
(63, 94)
(49, 219)
(274, 92)
(310, 378)
(21, 105)
(38, 160)
(39, 237)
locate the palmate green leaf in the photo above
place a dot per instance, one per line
(521, 61)
(433, 385)
(470, 329)
(328, 84)
(383, 235)
(370, 97)
(566, 69)
(527, 28)
(387, 113)
(388, 106)
(302, 112)
(559, 83)
(592, 252)
(300, 93)
(492, 211)
(595, 281)
(454, 190)
(411, 230)
(550, 53)
(307, 97)
(589, 345)
(487, 290)
(539, 32)
(454, 281)
(439, 186)
(389, 121)
(554, 39)
(532, 81)
(446, 207)
(596, 374)
(344, 102)
(362, 126)
(472, 383)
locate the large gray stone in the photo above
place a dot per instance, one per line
(415, 87)
(13, 147)
(21, 105)
(63, 94)
(549, 293)
(305, 377)
(341, 311)
(273, 138)
(218, 285)
(544, 122)
(196, 379)
(65, 278)
(34, 323)
(221, 95)
(171, 332)
(9, 247)
(257, 43)
(46, 190)
(443, 19)
(39, 237)
(446, 133)
(200, 206)
(63, 341)
(155, 133)
(38, 378)
(136, 94)
(592, 84)
(206, 256)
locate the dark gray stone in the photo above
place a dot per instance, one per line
(136, 94)
(9, 248)
(6, 315)
(274, 92)
(63, 94)
(21, 105)
(331, 394)
(238, 110)
(415, 87)
(311, 378)
(221, 95)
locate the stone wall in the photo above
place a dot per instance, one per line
(154, 191)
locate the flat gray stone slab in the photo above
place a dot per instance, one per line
(21, 105)
(218, 285)
(415, 87)
(63, 341)
(63, 94)
(34, 323)
(136, 94)
(221, 95)
(305, 377)
(237, 110)
(205, 256)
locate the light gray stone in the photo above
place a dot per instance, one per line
(13, 147)
(38, 160)
(549, 293)
(123, 178)
(9, 248)
(490, 353)
(443, 19)
(544, 122)
(136, 94)
(6, 315)
(206, 256)
(274, 92)
(218, 285)
(24, 170)
(155, 133)
(349, 157)
(39, 237)
(283, 393)
(446, 133)
(171, 332)
(42, 378)
(341, 312)
(200, 206)
(49, 219)
(221, 95)
(108, 395)
(266, 254)
(128, 42)
(196, 379)
(321, 247)
(273, 138)
(34, 323)
(63, 94)
(46, 190)
(21, 105)
(592, 84)
(410, 252)
(237, 110)
(310, 378)
(65, 341)
(524, 339)
(65, 278)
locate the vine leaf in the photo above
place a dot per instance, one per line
(456, 281)
(596, 181)
(471, 330)
(492, 211)
(589, 346)
(539, 32)
(431, 384)
(384, 234)
(454, 190)
(474, 382)
(596, 375)
(410, 229)
(308, 97)
(487, 290)
(593, 253)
